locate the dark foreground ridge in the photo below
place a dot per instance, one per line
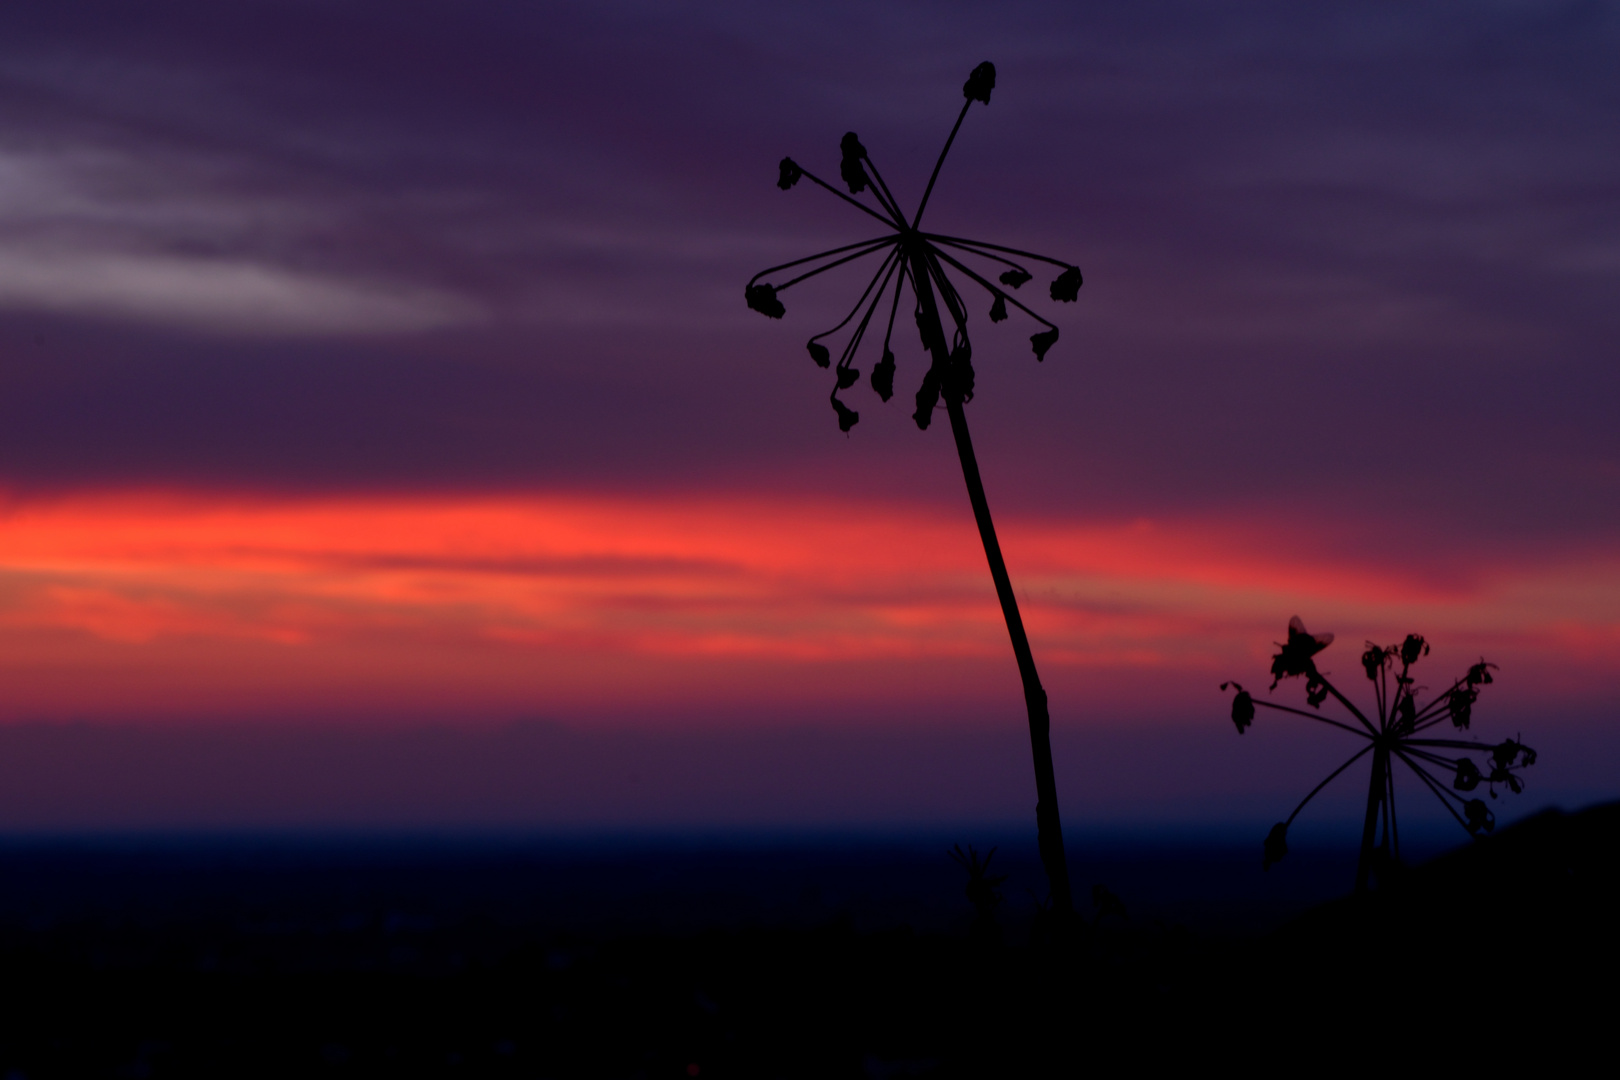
(1501, 948)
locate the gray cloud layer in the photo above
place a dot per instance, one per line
(1355, 263)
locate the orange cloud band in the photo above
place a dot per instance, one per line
(157, 604)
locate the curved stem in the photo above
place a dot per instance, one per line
(1438, 793)
(995, 291)
(856, 203)
(873, 244)
(839, 262)
(980, 254)
(899, 286)
(860, 330)
(1357, 756)
(888, 196)
(958, 241)
(1312, 716)
(1334, 690)
(864, 294)
(929, 190)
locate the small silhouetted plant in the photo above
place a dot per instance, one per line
(982, 889)
(1107, 904)
(909, 257)
(1393, 733)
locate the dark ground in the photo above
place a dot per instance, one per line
(284, 958)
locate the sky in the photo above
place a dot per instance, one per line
(384, 439)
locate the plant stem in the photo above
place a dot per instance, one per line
(1049, 827)
(1369, 828)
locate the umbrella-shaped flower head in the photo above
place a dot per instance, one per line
(1396, 733)
(909, 257)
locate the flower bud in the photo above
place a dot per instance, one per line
(980, 83)
(847, 417)
(1043, 341)
(883, 376)
(762, 298)
(1067, 285)
(788, 173)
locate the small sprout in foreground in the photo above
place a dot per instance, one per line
(998, 308)
(1107, 904)
(1014, 278)
(819, 353)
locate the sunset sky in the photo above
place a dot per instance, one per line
(376, 386)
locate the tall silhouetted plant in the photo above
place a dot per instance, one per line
(1394, 733)
(908, 256)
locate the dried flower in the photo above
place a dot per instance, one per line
(762, 298)
(788, 173)
(1242, 707)
(850, 168)
(927, 398)
(1295, 656)
(1067, 285)
(1374, 659)
(1395, 734)
(847, 417)
(1461, 706)
(980, 83)
(1043, 341)
(883, 376)
(909, 255)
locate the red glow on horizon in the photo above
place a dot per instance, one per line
(149, 604)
